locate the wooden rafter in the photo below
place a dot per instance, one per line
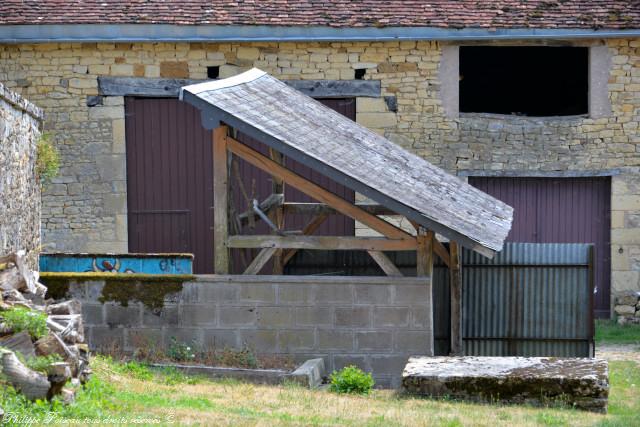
(308, 230)
(385, 263)
(260, 260)
(322, 243)
(315, 191)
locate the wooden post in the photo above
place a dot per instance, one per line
(277, 187)
(221, 201)
(424, 268)
(455, 284)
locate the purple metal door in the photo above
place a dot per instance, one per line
(170, 182)
(561, 210)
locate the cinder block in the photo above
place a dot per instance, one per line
(117, 315)
(412, 294)
(342, 360)
(298, 339)
(271, 317)
(260, 340)
(328, 293)
(237, 316)
(420, 316)
(313, 316)
(92, 314)
(412, 341)
(295, 293)
(388, 364)
(373, 340)
(331, 339)
(149, 339)
(167, 315)
(374, 294)
(217, 292)
(198, 315)
(106, 338)
(219, 338)
(258, 293)
(189, 336)
(390, 316)
(358, 317)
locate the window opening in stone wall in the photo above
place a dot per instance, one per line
(359, 73)
(524, 80)
(213, 72)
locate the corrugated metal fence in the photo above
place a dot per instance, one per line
(531, 299)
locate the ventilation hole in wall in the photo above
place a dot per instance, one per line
(213, 72)
(360, 72)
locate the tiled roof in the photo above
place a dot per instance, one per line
(569, 14)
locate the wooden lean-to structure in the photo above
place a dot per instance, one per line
(294, 125)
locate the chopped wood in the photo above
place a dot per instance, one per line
(72, 306)
(58, 374)
(48, 345)
(20, 343)
(33, 385)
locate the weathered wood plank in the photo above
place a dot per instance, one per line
(277, 215)
(315, 191)
(321, 243)
(220, 194)
(143, 86)
(296, 208)
(441, 251)
(308, 229)
(385, 264)
(260, 260)
(424, 255)
(455, 283)
(272, 201)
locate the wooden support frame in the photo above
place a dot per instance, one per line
(385, 263)
(321, 243)
(221, 200)
(455, 285)
(309, 229)
(315, 191)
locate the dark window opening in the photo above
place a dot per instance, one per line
(360, 72)
(524, 80)
(213, 72)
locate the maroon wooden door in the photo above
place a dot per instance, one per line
(561, 210)
(170, 181)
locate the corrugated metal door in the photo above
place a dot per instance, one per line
(170, 181)
(561, 210)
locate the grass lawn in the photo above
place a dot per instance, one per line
(133, 394)
(609, 332)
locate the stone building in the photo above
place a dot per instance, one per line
(537, 102)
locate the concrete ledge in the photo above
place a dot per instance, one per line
(310, 373)
(581, 383)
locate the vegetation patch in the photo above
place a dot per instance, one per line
(20, 319)
(351, 379)
(48, 159)
(609, 332)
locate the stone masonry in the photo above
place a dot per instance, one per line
(373, 322)
(20, 123)
(85, 209)
(627, 307)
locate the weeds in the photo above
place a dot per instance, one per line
(48, 159)
(22, 319)
(351, 379)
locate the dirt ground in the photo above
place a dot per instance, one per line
(619, 352)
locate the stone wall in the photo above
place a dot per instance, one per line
(375, 323)
(85, 209)
(20, 123)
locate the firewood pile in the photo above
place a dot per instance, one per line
(31, 327)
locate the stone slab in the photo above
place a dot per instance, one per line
(578, 382)
(310, 373)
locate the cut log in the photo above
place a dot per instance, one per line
(49, 345)
(20, 276)
(33, 385)
(20, 343)
(58, 374)
(12, 279)
(72, 306)
(68, 396)
(72, 328)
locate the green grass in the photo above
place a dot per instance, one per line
(135, 394)
(609, 332)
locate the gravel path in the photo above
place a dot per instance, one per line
(619, 352)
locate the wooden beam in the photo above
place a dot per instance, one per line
(317, 208)
(438, 247)
(385, 263)
(260, 260)
(316, 191)
(277, 215)
(321, 243)
(221, 200)
(271, 202)
(308, 229)
(455, 283)
(424, 255)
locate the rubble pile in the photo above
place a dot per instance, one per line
(42, 333)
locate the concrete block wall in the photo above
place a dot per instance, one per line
(375, 323)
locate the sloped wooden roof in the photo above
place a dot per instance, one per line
(302, 128)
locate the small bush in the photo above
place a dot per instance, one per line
(22, 319)
(41, 363)
(48, 159)
(135, 370)
(180, 352)
(351, 380)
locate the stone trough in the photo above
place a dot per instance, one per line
(581, 383)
